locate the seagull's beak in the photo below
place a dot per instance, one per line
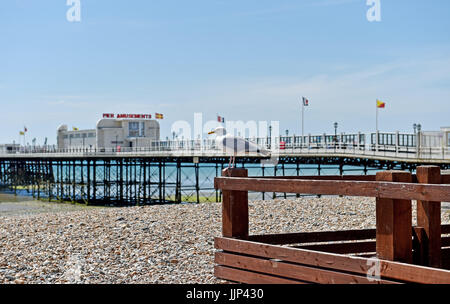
(212, 132)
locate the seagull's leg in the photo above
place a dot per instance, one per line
(229, 164)
(234, 160)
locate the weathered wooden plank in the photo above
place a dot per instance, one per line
(445, 179)
(394, 222)
(407, 191)
(342, 248)
(235, 208)
(419, 244)
(326, 236)
(445, 258)
(249, 277)
(323, 177)
(445, 229)
(388, 269)
(293, 271)
(445, 241)
(312, 237)
(429, 217)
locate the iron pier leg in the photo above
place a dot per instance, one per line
(263, 174)
(197, 187)
(121, 181)
(88, 181)
(178, 183)
(74, 177)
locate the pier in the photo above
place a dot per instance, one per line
(184, 171)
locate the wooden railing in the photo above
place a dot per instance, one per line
(404, 253)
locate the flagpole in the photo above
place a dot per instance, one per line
(303, 119)
(376, 107)
(376, 131)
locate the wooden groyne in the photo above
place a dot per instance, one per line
(394, 252)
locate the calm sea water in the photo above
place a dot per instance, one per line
(206, 175)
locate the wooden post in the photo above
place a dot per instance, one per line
(419, 245)
(235, 208)
(429, 217)
(394, 222)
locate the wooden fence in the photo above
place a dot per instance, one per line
(394, 252)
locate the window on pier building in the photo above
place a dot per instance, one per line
(448, 139)
(136, 129)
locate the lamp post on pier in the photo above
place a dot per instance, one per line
(417, 130)
(270, 137)
(335, 135)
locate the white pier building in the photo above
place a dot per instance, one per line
(112, 131)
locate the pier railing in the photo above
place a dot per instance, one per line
(389, 145)
(410, 153)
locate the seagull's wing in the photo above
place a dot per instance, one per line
(237, 144)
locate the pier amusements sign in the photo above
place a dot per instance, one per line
(127, 116)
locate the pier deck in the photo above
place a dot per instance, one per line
(159, 175)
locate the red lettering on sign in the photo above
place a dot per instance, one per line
(131, 116)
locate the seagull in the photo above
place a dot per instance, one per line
(233, 144)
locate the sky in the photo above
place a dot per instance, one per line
(248, 60)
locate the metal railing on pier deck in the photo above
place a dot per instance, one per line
(387, 146)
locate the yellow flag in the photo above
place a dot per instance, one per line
(380, 104)
(22, 133)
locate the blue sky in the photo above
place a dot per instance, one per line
(244, 59)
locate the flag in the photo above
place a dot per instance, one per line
(25, 129)
(75, 128)
(305, 102)
(380, 104)
(219, 119)
(159, 116)
(22, 133)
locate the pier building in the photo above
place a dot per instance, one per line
(112, 131)
(9, 148)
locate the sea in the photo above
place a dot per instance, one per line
(206, 175)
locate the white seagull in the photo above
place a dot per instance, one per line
(233, 144)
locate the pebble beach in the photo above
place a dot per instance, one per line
(170, 244)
